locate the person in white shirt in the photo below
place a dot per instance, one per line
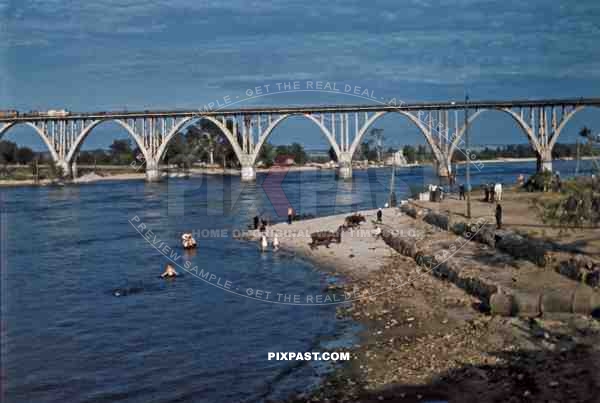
(263, 243)
(498, 191)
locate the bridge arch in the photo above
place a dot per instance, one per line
(269, 130)
(228, 134)
(529, 132)
(87, 130)
(566, 120)
(39, 131)
(515, 116)
(412, 118)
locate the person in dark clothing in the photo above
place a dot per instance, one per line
(499, 216)
(379, 215)
(461, 192)
(256, 221)
(486, 189)
(492, 194)
(290, 212)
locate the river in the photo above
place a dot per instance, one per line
(65, 250)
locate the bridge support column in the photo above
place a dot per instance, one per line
(248, 173)
(544, 161)
(65, 167)
(442, 167)
(74, 169)
(152, 171)
(344, 170)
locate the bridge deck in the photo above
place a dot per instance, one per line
(422, 106)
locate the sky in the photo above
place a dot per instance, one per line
(151, 54)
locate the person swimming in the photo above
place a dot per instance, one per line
(188, 241)
(169, 271)
(275, 242)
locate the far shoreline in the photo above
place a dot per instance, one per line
(93, 177)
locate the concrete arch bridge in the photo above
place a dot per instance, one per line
(343, 126)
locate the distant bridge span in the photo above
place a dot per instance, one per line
(343, 126)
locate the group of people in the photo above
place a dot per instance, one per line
(492, 192)
(264, 242)
(188, 242)
(436, 193)
(260, 223)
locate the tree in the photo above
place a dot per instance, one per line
(8, 152)
(410, 154)
(577, 206)
(332, 154)
(377, 137)
(585, 132)
(25, 155)
(121, 152)
(209, 143)
(297, 151)
(267, 154)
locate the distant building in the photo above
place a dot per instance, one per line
(317, 153)
(284, 160)
(396, 159)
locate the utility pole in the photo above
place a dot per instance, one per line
(468, 172)
(577, 166)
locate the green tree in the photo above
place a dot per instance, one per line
(377, 138)
(585, 132)
(332, 154)
(24, 155)
(410, 154)
(267, 154)
(8, 152)
(121, 152)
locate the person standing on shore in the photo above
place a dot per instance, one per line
(499, 216)
(461, 192)
(290, 212)
(498, 191)
(379, 215)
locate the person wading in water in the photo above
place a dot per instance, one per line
(169, 272)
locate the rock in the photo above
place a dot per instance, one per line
(502, 304)
(522, 248)
(437, 220)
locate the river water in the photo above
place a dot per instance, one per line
(67, 337)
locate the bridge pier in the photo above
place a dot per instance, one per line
(344, 170)
(65, 167)
(248, 173)
(544, 161)
(443, 169)
(152, 171)
(74, 172)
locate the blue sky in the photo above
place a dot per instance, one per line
(109, 54)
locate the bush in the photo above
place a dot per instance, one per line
(540, 182)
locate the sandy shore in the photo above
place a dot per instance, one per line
(429, 339)
(358, 255)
